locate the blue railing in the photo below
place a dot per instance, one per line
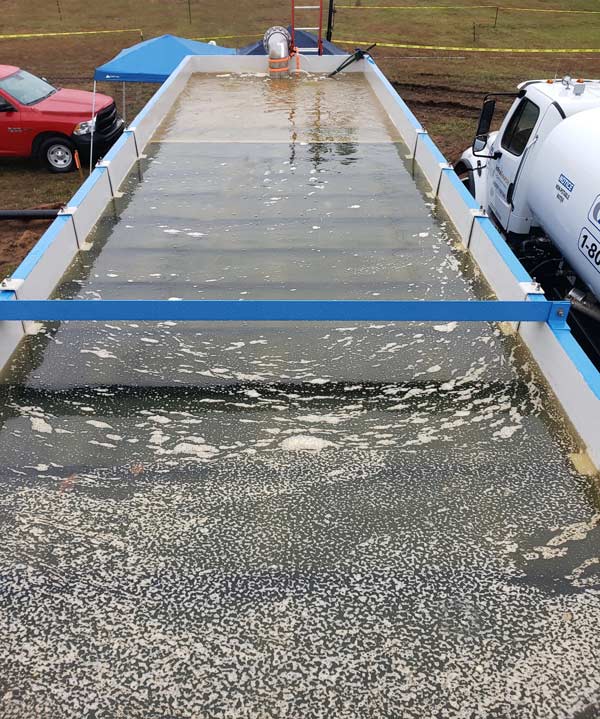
(554, 313)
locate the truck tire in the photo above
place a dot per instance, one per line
(58, 154)
(465, 175)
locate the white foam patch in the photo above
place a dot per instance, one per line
(449, 327)
(305, 443)
(96, 423)
(102, 354)
(200, 451)
(506, 432)
(323, 418)
(40, 425)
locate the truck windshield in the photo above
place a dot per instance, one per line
(26, 88)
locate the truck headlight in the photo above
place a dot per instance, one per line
(85, 128)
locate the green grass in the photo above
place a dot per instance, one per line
(210, 17)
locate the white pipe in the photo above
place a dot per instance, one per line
(278, 47)
(276, 43)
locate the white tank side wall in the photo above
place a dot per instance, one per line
(455, 206)
(429, 165)
(580, 403)
(399, 114)
(499, 276)
(153, 113)
(92, 206)
(11, 333)
(260, 63)
(47, 272)
(119, 164)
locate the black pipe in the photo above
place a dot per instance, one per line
(357, 55)
(330, 19)
(28, 214)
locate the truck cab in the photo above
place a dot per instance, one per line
(497, 168)
(51, 124)
(538, 178)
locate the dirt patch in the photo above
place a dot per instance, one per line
(17, 237)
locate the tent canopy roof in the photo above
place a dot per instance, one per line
(155, 59)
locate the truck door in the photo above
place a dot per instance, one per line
(510, 143)
(10, 128)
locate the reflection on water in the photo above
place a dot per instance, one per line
(309, 109)
(311, 520)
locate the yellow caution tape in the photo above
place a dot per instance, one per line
(541, 9)
(75, 32)
(416, 7)
(467, 7)
(562, 51)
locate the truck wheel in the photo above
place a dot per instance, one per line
(58, 154)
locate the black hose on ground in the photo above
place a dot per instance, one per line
(28, 214)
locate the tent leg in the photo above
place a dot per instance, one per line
(124, 105)
(93, 127)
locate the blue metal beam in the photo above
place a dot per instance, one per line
(286, 310)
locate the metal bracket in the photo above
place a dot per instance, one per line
(418, 134)
(531, 288)
(68, 210)
(475, 213)
(11, 285)
(557, 319)
(443, 167)
(103, 163)
(479, 212)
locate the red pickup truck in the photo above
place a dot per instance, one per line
(42, 121)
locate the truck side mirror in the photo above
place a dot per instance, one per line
(480, 143)
(5, 105)
(485, 118)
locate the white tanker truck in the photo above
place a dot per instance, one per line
(538, 177)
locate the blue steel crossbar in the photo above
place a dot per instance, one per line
(554, 313)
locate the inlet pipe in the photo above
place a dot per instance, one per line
(582, 302)
(277, 45)
(28, 214)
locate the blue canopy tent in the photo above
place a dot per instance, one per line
(150, 61)
(155, 59)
